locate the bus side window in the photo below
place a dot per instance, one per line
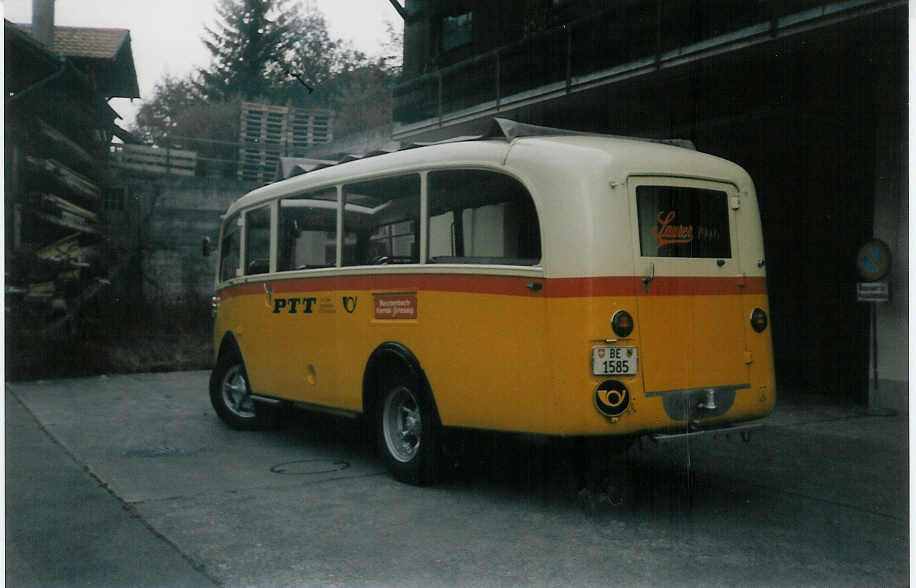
(381, 221)
(229, 249)
(308, 232)
(479, 216)
(257, 241)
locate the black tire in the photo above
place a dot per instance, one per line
(407, 429)
(229, 394)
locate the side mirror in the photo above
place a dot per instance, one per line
(205, 246)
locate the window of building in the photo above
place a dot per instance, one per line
(457, 30)
(308, 232)
(478, 216)
(257, 241)
(381, 221)
(230, 248)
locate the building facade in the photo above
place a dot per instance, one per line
(809, 96)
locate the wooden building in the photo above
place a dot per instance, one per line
(57, 136)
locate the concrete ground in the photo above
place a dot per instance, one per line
(133, 481)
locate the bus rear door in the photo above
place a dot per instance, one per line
(690, 319)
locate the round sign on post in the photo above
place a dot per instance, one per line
(873, 261)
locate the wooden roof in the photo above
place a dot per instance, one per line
(107, 51)
(86, 42)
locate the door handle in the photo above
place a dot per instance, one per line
(268, 294)
(534, 286)
(647, 279)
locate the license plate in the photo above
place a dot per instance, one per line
(614, 361)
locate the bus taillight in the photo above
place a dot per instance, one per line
(622, 323)
(759, 320)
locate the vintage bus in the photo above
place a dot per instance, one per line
(538, 281)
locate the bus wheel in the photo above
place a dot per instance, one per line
(407, 433)
(231, 395)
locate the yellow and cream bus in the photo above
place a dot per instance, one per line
(541, 281)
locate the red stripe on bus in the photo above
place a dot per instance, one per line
(684, 286)
(511, 286)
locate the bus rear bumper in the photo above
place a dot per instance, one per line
(744, 430)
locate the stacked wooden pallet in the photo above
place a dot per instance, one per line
(268, 133)
(262, 137)
(308, 128)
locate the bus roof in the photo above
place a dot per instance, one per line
(621, 155)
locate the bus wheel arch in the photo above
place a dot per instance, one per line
(401, 409)
(228, 344)
(230, 391)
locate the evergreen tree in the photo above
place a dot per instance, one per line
(246, 44)
(267, 50)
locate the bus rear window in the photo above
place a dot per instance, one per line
(683, 222)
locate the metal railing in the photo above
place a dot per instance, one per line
(628, 37)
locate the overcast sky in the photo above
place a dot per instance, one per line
(165, 35)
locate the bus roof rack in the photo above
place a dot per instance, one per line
(511, 130)
(499, 128)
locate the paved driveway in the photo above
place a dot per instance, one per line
(132, 480)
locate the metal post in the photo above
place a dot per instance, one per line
(439, 72)
(498, 79)
(873, 408)
(874, 341)
(658, 34)
(568, 57)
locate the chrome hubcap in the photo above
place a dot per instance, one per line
(235, 393)
(402, 425)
